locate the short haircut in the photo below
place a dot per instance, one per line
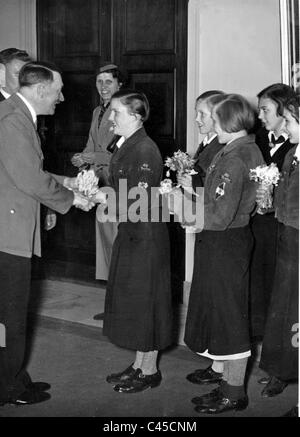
(279, 93)
(114, 70)
(235, 113)
(8, 55)
(214, 99)
(293, 105)
(207, 94)
(136, 101)
(37, 72)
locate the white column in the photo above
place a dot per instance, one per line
(27, 26)
(18, 25)
(193, 78)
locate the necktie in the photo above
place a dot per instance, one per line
(199, 150)
(102, 110)
(279, 140)
(113, 144)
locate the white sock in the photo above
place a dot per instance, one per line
(218, 366)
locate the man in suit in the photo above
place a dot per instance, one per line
(23, 187)
(13, 60)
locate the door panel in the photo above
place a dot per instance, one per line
(148, 40)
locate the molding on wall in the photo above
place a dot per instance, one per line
(193, 83)
(27, 26)
(284, 39)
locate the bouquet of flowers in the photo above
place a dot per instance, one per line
(181, 163)
(267, 176)
(87, 183)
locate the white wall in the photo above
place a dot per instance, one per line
(18, 25)
(233, 45)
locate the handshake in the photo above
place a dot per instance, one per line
(80, 200)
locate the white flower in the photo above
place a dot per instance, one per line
(265, 174)
(180, 162)
(143, 185)
(165, 186)
(87, 183)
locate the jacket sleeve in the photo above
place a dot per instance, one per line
(91, 142)
(19, 153)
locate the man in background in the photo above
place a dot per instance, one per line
(13, 60)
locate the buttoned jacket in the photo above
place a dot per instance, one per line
(23, 183)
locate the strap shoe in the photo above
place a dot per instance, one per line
(264, 380)
(223, 404)
(140, 382)
(30, 397)
(38, 386)
(274, 387)
(208, 397)
(124, 376)
(207, 376)
(293, 412)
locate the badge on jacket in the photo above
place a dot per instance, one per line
(225, 177)
(220, 190)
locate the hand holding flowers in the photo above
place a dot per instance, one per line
(182, 164)
(86, 190)
(267, 177)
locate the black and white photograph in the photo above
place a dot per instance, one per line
(149, 212)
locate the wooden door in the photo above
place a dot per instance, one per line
(148, 40)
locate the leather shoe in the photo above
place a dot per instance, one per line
(273, 388)
(293, 412)
(264, 380)
(99, 316)
(38, 386)
(140, 382)
(207, 376)
(30, 397)
(223, 404)
(124, 376)
(208, 397)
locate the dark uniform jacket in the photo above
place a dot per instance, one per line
(287, 193)
(262, 140)
(139, 162)
(229, 195)
(203, 157)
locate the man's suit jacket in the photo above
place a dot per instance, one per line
(23, 183)
(262, 140)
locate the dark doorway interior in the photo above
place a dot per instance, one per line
(148, 40)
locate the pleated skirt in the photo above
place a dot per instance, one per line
(279, 355)
(217, 318)
(138, 304)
